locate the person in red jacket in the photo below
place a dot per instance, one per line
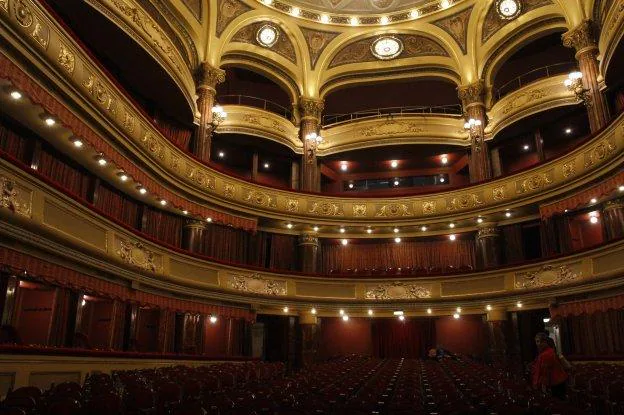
(547, 371)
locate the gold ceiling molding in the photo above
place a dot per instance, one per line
(456, 25)
(227, 11)
(493, 22)
(182, 274)
(195, 6)
(611, 34)
(317, 41)
(283, 46)
(413, 46)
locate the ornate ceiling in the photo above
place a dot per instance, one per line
(358, 6)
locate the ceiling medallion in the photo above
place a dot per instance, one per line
(387, 47)
(508, 9)
(267, 35)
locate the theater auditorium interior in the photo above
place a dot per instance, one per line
(301, 207)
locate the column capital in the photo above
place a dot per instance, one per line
(311, 108)
(488, 230)
(208, 76)
(472, 94)
(581, 38)
(194, 224)
(308, 239)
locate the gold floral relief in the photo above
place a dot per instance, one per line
(257, 285)
(359, 210)
(66, 59)
(153, 144)
(259, 198)
(547, 275)
(600, 152)
(41, 34)
(292, 205)
(23, 15)
(10, 198)
(498, 193)
(198, 176)
(393, 210)
(569, 169)
(429, 207)
(4, 5)
(326, 209)
(533, 183)
(138, 255)
(465, 201)
(98, 91)
(229, 190)
(397, 291)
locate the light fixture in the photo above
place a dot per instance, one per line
(341, 312)
(444, 160)
(101, 161)
(458, 309)
(593, 200)
(369, 231)
(519, 304)
(394, 164)
(342, 230)
(213, 319)
(593, 219)
(414, 14)
(163, 202)
(185, 212)
(396, 182)
(354, 21)
(267, 2)
(84, 302)
(526, 147)
(451, 225)
(295, 11)
(396, 230)
(384, 20)
(397, 240)
(398, 313)
(267, 165)
(142, 190)
(574, 83)
(221, 154)
(267, 35)
(402, 318)
(479, 220)
(289, 226)
(314, 139)
(324, 18)
(343, 166)
(313, 311)
(488, 307)
(445, 4)
(77, 143)
(568, 131)
(423, 228)
(123, 177)
(456, 316)
(508, 214)
(315, 229)
(508, 9)
(350, 185)
(49, 121)
(442, 179)
(218, 116)
(370, 312)
(546, 320)
(621, 188)
(452, 237)
(429, 311)
(16, 95)
(345, 318)
(285, 309)
(344, 242)
(208, 220)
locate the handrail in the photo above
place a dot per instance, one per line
(533, 75)
(255, 102)
(331, 119)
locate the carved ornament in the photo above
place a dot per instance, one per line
(292, 205)
(257, 285)
(359, 210)
(209, 76)
(198, 175)
(326, 209)
(227, 11)
(569, 169)
(498, 193)
(4, 5)
(456, 25)
(229, 190)
(391, 127)
(464, 202)
(135, 253)
(283, 44)
(9, 198)
(546, 276)
(535, 182)
(308, 239)
(153, 144)
(317, 41)
(311, 108)
(393, 210)
(429, 207)
(487, 232)
(259, 198)
(397, 291)
(97, 90)
(581, 37)
(600, 152)
(472, 93)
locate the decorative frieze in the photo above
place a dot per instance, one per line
(547, 275)
(10, 198)
(397, 291)
(256, 284)
(326, 209)
(456, 25)
(393, 210)
(581, 37)
(138, 255)
(259, 198)
(466, 201)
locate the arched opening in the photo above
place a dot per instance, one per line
(614, 79)
(541, 58)
(246, 87)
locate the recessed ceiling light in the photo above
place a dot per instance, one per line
(343, 166)
(315, 229)
(185, 212)
(397, 240)
(221, 154)
(342, 230)
(444, 159)
(78, 143)
(324, 18)
(354, 21)
(313, 311)
(16, 95)
(341, 312)
(142, 190)
(488, 307)
(396, 182)
(163, 202)
(369, 230)
(384, 20)
(266, 165)
(345, 318)
(123, 177)
(451, 225)
(213, 319)
(344, 242)
(208, 219)
(568, 131)
(423, 228)
(442, 179)
(395, 230)
(452, 237)
(525, 147)
(593, 219)
(508, 214)
(414, 14)
(479, 220)
(402, 318)
(593, 200)
(456, 316)
(458, 309)
(394, 164)
(445, 4)
(519, 304)
(370, 312)
(621, 188)
(267, 2)
(350, 185)
(295, 11)
(429, 311)
(50, 121)
(289, 226)
(285, 309)
(102, 161)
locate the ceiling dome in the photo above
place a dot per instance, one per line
(357, 6)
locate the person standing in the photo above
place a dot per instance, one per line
(548, 373)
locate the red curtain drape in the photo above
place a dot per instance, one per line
(588, 307)
(513, 247)
(410, 338)
(17, 145)
(434, 255)
(75, 180)
(227, 244)
(163, 226)
(283, 252)
(117, 205)
(596, 335)
(176, 133)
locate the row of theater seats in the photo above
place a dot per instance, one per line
(449, 269)
(350, 385)
(599, 388)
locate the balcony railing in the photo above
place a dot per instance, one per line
(256, 103)
(533, 75)
(390, 112)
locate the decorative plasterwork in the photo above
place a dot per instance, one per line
(546, 276)
(535, 182)
(195, 6)
(413, 46)
(581, 37)
(11, 199)
(397, 291)
(466, 201)
(257, 285)
(456, 25)
(393, 210)
(493, 22)
(229, 10)
(283, 45)
(317, 41)
(600, 152)
(138, 255)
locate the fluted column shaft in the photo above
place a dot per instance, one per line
(613, 219)
(488, 246)
(310, 110)
(582, 39)
(473, 102)
(308, 253)
(193, 235)
(208, 77)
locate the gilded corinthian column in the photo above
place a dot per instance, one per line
(488, 246)
(473, 102)
(207, 79)
(310, 110)
(582, 39)
(308, 252)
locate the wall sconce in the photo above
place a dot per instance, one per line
(218, 116)
(473, 128)
(314, 140)
(574, 83)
